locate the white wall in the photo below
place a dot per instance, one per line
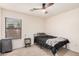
(30, 25)
(65, 25)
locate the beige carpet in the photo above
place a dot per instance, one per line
(36, 51)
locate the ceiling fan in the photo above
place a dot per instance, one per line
(44, 6)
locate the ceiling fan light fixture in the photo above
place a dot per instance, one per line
(44, 11)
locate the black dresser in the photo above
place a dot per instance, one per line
(5, 45)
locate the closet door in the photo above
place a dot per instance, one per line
(6, 45)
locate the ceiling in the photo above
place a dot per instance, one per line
(52, 10)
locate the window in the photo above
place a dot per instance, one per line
(13, 28)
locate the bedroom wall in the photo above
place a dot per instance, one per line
(30, 25)
(65, 25)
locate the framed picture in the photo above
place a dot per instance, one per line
(13, 28)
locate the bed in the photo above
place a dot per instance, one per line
(50, 42)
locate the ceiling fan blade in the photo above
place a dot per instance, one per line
(49, 4)
(35, 9)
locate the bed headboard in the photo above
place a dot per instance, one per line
(40, 34)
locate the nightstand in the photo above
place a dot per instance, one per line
(27, 42)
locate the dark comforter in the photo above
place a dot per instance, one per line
(41, 40)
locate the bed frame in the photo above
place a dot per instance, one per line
(53, 49)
